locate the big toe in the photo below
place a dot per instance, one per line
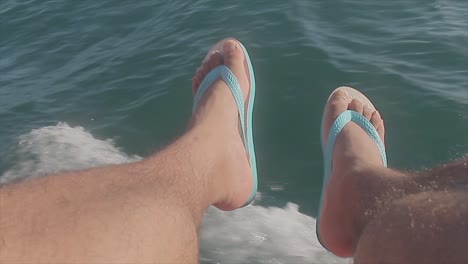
(337, 104)
(234, 59)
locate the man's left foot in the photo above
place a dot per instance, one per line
(217, 112)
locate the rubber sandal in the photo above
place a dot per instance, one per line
(245, 118)
(337, 126)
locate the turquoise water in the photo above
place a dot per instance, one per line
(85, 83)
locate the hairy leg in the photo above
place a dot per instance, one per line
(117, 214)
(422, 219)
(144, 212)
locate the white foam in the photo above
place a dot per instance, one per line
(254, 234)
(57, 148)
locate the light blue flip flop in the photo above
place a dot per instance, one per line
(245, 115)
(340, 122)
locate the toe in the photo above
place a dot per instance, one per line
(367, 112)
(233, 53)
(337, 104)
(211, 61)
(377, 122)
(215, 60)
(235, 61)
(381, 131)
(356, 106)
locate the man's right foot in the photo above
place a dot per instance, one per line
(353, 153)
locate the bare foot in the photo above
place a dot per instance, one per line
(217, 111)
(354, 152)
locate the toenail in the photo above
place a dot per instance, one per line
(342, 92)
(230, 45)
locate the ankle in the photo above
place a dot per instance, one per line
(192, 168)
(228, 162)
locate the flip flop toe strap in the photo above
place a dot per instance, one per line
(231, 81)
(341, 121)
